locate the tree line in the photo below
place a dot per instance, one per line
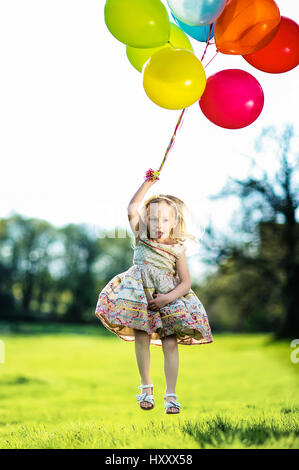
(55, 274)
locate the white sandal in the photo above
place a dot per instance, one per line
(171, 404)
(146, 397)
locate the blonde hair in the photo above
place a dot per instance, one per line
(179, 232)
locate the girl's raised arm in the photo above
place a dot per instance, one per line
(133, 214)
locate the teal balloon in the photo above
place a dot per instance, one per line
(197, 12)
(200, 33)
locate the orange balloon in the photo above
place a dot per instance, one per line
(245, 26)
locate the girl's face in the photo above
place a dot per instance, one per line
(161, 219)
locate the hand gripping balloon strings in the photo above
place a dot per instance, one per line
(152, 175)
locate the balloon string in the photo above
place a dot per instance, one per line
(207, 45)
(180, 120)
(211, 60)
(177, 127)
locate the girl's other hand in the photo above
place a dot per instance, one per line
(159, 301)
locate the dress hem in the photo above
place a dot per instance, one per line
(156, 342)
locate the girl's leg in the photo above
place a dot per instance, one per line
(142, 351)
(171, 365)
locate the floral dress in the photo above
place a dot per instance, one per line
(123, 303)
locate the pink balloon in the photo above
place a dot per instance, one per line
(232, 99)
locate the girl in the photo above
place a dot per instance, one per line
(152, 302)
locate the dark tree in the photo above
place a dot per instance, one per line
(25, 258)
(268, 230)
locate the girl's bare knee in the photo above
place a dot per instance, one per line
(141, 336)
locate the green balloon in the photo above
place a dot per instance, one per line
(177, 39)
(138, 23)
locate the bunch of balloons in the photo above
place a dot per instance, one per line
(174, 78)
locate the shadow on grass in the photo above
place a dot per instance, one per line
(273, 340)
(22, 380)
(220, 430)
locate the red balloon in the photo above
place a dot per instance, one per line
(232, 99)
(282, 53)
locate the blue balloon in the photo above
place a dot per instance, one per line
(200, 33)
(197, 12)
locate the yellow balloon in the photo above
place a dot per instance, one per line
(177, 39)
(174, 78)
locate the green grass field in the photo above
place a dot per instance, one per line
(74, 387)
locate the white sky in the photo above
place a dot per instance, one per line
(78, 131)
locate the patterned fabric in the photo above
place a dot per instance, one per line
(123, 303)
(161, 255)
